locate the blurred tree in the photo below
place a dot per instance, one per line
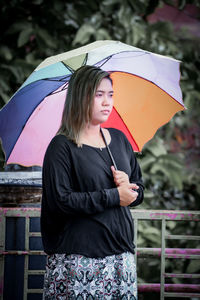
(33, 30)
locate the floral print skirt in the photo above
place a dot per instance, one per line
(76, 277)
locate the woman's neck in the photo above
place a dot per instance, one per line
(91, 131)
(92, 136)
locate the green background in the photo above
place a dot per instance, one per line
(35, 29)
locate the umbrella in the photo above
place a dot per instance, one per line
(146, 96)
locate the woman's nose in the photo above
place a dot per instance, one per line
(105, 100)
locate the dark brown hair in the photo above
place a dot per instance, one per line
(79, 101)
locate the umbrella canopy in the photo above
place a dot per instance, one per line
(146, 96)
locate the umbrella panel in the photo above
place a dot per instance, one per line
(143, 106)
(140, 108)
(40, 128)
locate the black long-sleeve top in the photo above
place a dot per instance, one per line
(81, 212)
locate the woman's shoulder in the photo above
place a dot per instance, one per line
(116, 133)
(58, 148)
(59, 141)
(119, 137)
(59, 138)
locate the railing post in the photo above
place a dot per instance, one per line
(26, 258)
(162, 269)
(135, 238)
(2, 249)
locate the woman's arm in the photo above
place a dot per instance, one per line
(136, 177)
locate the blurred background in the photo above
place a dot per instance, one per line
(35, 29)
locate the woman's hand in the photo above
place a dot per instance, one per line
(126, 194)
(127, 191)
(120, 177)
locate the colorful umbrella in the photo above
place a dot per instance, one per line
(146, 96)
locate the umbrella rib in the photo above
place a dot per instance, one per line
(67, 67)
(180, 103)
(62, 79)
(127, 129)
(114, 54)
(83, 64)
(105, 61)
(63, 88)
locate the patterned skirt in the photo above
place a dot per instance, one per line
(76, 277)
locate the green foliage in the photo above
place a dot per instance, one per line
(38, 29)
(33, 30)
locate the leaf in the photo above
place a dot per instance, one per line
(37, 2)
(17, 26)
(148, 194)
(24, 36)
(4, 84)
(171, 161)
(153, 239)
(14, 70)
(171, 224)
(6, 53)
(102, 34)
(110, 2)
(171, 169)
(83, 34)
(157, 147)
(4, 96)
(193, 267)
(46, 37)
(151, 230)
(146, 162)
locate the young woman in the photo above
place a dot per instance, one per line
(86, 224)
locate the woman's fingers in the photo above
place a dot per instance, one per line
(120, 177)
(126, 194)
(113, 169)
(136, 187)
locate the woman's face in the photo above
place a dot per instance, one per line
(103, 102)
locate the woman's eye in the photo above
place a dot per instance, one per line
(98, 95)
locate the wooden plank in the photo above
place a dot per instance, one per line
(182, 295)
(36, 272)
(170, 215)
(176, 275)
(182, 237)
(34, 291)
(35, 234)
(169, 287)
(156, 252)
(20, 211)
(185, 256)
(22, 252)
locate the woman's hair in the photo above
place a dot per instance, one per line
(79, 101)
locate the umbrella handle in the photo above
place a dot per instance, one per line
(108, 148)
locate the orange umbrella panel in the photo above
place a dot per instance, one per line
(143, 106)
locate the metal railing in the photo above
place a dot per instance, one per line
(169, 290)
(165, 289)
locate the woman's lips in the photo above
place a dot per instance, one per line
(105, 111)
